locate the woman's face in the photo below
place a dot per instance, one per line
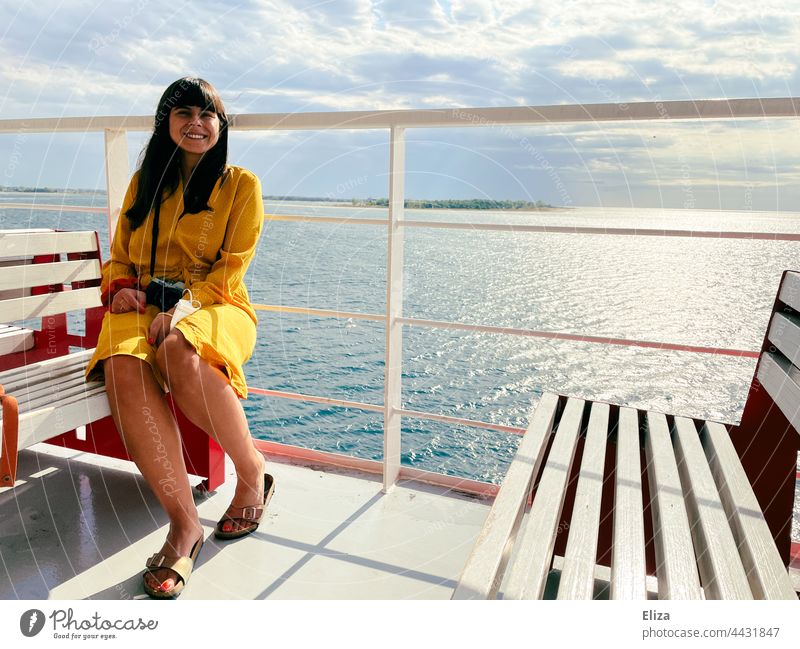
(195, 130)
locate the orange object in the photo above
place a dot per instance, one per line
(8, 461)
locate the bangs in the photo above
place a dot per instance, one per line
(197, 93)
(190, 91)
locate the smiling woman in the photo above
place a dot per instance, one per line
(195, 130)
(187, 106)
(189, 223)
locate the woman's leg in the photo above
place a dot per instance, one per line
(205, 396)
(153, 441)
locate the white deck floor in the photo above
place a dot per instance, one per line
(82, 526)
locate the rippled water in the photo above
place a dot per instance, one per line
(706, 292)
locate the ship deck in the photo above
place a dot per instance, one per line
(81, 526)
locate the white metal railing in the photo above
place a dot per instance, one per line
(117, 176)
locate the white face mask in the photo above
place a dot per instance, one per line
(184, 308)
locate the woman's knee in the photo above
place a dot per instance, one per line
(124, 375)
(120, 368)
(175, 357)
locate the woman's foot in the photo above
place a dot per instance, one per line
(247, 506)
(180, 543)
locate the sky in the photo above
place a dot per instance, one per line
(96, 57)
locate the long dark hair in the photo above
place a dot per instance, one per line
(160, 163)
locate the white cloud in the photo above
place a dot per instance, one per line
(596, 69)
(483, 11)
(115, 57)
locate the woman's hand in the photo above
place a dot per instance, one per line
(128, 299)
(159, 328)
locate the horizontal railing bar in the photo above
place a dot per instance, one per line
(318, 457)
(498, 227)
(419, 414)
(491, 116)
(477, 487)
(325, 219)
(303, 454)
(296, 396)
(641, 232)
(321, 312)
(757, 108)
(77, 124)
(358, 405)
(555, 335)
(52, 208)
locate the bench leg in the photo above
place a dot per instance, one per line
(8, 462)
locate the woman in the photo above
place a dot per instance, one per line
(189, 226)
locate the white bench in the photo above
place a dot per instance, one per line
(42, 387)
(51, 395)
(710, 537)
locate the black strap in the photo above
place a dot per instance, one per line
(155, 232)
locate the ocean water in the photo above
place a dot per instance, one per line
(709, 292)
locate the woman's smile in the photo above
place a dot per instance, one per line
(194, 130)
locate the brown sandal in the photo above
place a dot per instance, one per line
(250, 515)
(181, 566)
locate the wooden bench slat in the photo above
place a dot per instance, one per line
(25, 389)
(721, 571)
(484, 569)
(784, 333)
(52, 393)
(580, 558)
(30, 275)
(15, 339)
(790, 290)
(769, 578)
(36, 306)
(776, 375)
(48, 395)
(19, 378)
(534, 550)
(10, 330)
(27, 244)
(628, 559)
(45, 423)
(28, 394)
(676, 568)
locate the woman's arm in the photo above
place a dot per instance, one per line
(118, 271)
(239, 246)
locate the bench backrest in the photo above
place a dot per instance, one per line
(767, 439)
(777, 367)
(81, 266)
(46, 274)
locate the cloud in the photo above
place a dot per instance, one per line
(115, 57)
(515, 51)
(594, 69)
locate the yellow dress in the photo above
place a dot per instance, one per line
(209, 252)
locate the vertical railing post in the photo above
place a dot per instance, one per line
(116, 141)
(394, 309)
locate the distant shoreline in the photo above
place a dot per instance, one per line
(410, 203)
(345, 205)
